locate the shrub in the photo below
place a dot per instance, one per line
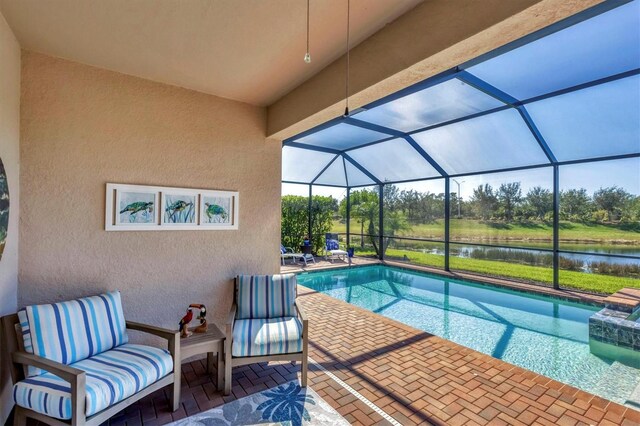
(616, 269)
(600, 216)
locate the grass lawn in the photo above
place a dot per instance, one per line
(594, 283)
(469, 229)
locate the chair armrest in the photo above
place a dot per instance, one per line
(301, 313)
(305, 336)
(156, 331)
(228, 332)
(76, 378)
(61, 370)
(172, 337)
(230, 320)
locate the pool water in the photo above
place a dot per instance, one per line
(543, 334)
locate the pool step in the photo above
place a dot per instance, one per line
(620, 381)
(634, 399)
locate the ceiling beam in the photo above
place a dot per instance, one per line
(324, 169)
(506, 98)
(311, 147)
(346, 175)
(398, 134)
(362, 169)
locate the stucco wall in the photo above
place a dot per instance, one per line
(83, 127)
(10, 154)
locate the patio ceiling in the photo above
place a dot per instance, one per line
(568, 93)
(245, 50)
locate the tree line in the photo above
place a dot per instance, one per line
(505, 203)
(404, 208)
(295, 220)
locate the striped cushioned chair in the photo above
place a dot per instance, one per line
(52, 332)
(78, 367)
(265, 323)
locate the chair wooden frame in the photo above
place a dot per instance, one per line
(231, 361)
(77, 378)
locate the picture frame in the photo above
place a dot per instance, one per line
(131, 207)
(4, 208)
(158, 208)
(179, 209)
(219, 209)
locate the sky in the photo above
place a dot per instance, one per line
(591, 176)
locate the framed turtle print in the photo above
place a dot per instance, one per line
(179, 208)
(4, 208)
(219, 209)
(131, 207)
(159, 208)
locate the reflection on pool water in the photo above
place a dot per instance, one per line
(542, 334)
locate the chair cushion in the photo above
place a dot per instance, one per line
(333, 245)
(111, 377)
(266, 296)
(264, 336)
(71, 331)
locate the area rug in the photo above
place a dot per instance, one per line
(288, 405)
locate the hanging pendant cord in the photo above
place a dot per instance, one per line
(346, 110)
(308, 26)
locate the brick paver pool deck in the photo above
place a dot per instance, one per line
(414, 377)
(420, 378)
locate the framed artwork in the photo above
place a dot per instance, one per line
(131, 207)
(219, 209)
(4, 208)
(136, 208)
(158, 208)
(179, 208)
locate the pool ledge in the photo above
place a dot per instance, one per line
(625, 300)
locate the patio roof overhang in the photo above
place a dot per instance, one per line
(568, 93)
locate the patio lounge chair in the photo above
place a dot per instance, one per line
(73, 365)
(332, 248)
(288, 253)
(265, 323)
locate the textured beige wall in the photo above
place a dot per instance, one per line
(10, 154)
(434, 36)
(83, 127)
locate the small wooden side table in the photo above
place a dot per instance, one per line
(211, 343)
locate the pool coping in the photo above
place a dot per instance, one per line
(592, 299)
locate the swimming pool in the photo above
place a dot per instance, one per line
(543, 334)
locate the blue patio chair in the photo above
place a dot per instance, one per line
(288, 253)
(332, 248)
(265, 323)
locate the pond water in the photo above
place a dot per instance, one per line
(465, 250)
